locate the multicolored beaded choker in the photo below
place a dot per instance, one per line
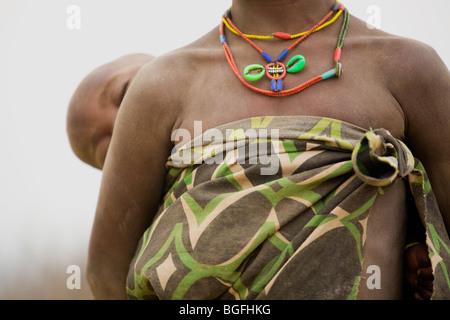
(283, 35)
(276, 70)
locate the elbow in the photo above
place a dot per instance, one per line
(93, 278)
(104, 284)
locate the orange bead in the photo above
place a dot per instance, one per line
(282, 35)
(337, 54)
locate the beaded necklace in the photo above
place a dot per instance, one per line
(276, 70)
(283, 35)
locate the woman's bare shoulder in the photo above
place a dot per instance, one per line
(393, 52)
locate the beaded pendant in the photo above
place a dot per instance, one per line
(276, 71)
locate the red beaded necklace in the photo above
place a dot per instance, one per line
(276, 70)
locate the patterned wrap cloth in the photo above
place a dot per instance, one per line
(277, 208)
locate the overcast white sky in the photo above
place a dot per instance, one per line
(48, 196)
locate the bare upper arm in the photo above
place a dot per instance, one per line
(421, 84)
(132, 183)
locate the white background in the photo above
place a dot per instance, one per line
(47, 195)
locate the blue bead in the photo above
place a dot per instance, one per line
(328, 74)
(335, 6)
(267, 57)
(283, 55)
(223, 39)
(279, 85)
(273, 85)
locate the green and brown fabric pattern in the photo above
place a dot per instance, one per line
(277, 208)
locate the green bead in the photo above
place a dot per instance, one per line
(296, 64)
(254, 72)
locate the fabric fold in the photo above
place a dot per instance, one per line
(378, 159)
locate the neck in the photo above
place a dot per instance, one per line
(268, 16)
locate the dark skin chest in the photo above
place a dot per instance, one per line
(360, 96)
